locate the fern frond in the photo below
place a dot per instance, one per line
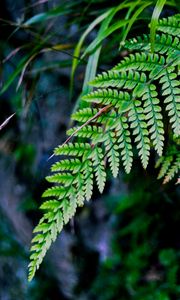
(61, 178)
(170, 165)
(171, 91)
(170, 25)
(72, 164)
(85, 114)
(87, 131)
(125, 144)
(139, 127)
(112, 152)
(166, 162)
(128, 80)
(79, 182)
(99, 168)
(135, 98)
(164, 44)
(141, 61)
(47, 233)
(76, 149)
(153, 116)
(173, 170)
(116, 98)
(51, 205)
(55, 191)
(88, 178)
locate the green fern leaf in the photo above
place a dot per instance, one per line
(170, 25)
(87, 131)
(112, 152)
(117, 99)
(88, 178)
(139, 126)
(164, 44)
(141, 61)
(43, 241)
(169, 165)
(61, 178)
(134, 98)
(128, 80)
(50, 205)
(171, 91)
(76, 149)
(80, 189)
(99, 168)
(154, 117)
(72, 164)
(165, 166)
(172, 170)
(55, 191)
(125, 144)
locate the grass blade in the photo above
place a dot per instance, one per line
(77, 50)
(134, 18)
(104, 35)
(154, 21)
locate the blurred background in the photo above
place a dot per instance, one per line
(124, 244)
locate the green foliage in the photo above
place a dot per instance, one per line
(108, 25)
(143, 261)
(110, 19)
(154, 20)
(127, 109)
(169, 166)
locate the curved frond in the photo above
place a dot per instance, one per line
(138, 100)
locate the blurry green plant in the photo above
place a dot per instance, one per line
(143, 265)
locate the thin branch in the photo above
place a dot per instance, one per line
(100, 112)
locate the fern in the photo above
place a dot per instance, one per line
(170, 25)
(153, 117)
(163, 44)
(129, 107)
(169, 166)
